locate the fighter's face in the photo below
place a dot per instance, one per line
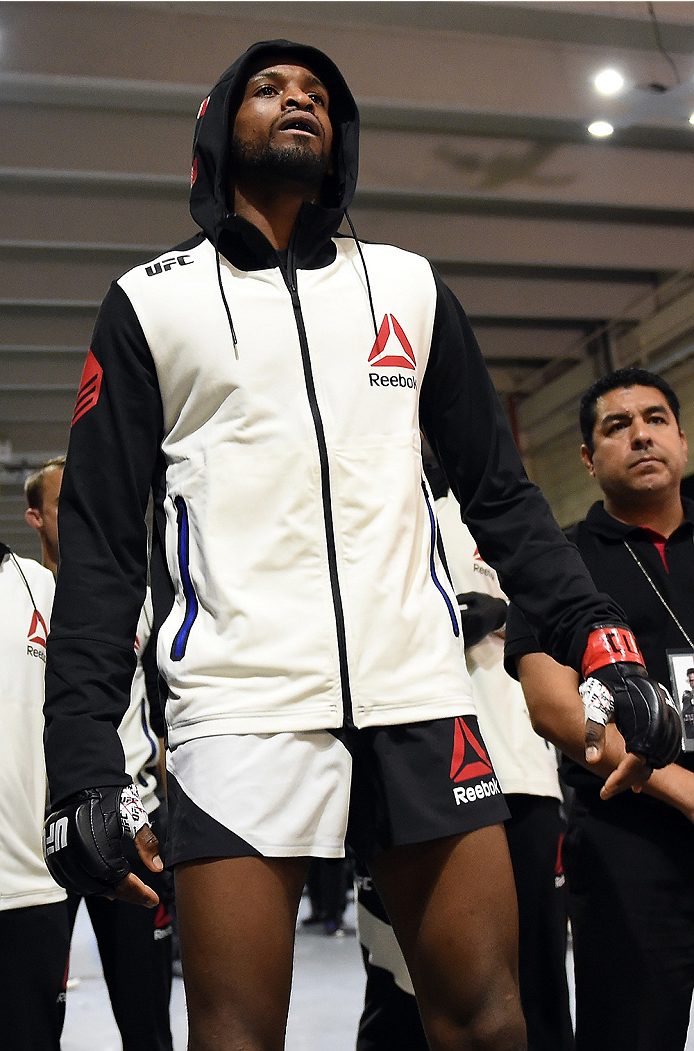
(282, 126)
(638, 446)
(690, 679)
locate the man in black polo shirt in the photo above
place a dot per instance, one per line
(629, 858)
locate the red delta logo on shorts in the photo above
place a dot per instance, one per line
(90, 388)
(469, 757)
(38, 630)
(389, 332)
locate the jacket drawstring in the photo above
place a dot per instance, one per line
(366, 272)
(366, 276)
(26, 582)
(224, 300)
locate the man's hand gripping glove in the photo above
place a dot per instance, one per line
(82, 841)
(618, 686)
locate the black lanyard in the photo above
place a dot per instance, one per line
(655, 588)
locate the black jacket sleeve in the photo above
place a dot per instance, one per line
(113, 449)
(520, 639)
(507, 515)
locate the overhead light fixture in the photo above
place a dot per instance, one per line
(600, 129)
(661, 100)
(609, 82)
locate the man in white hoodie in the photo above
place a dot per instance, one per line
(128, 937)
(34, 936)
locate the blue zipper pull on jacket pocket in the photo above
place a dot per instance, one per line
(178, 647)
(432, 564)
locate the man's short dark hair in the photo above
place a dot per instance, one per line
(33, 486)
(690, 671)
(630, 377)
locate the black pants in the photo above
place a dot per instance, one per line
(390, 1020)
(326, 883)
(535, 833)
(630, 873)
(34, 946)
(135, 950)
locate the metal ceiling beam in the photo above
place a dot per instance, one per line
(143, 184)
(38, 388)
(30, 306)
(532, 21)
(17, 348)
(375, 113)
(73, 248)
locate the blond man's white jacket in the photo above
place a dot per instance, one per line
(26, 596)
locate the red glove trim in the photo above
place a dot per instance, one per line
(610, 645)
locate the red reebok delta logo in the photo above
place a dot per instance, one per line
(90, 388)
(403, 357)
(37, 631)
(469, 757)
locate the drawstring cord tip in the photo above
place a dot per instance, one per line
(226, 305)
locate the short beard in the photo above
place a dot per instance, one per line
(297, 163)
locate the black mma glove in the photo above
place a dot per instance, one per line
(618, 686)
(82, 841)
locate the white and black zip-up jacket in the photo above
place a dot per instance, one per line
(272, 403)
(26, 594)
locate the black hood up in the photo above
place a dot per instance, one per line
(211, 173)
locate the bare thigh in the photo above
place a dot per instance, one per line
(237, 918)
(452, 903)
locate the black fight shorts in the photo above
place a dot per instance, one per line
(306, 794)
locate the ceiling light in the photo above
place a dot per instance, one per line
(600, 128)
(691, 119)
(609, 81)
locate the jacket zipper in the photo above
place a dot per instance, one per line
(432, 564)
(290, 281)
(178, 646)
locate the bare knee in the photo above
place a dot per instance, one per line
(498, 1025)
(237, 918)
(214, 1032)
(222, 1021)
(499, 1029)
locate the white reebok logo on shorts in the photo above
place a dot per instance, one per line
(469, 762)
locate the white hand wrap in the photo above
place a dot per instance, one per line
(133, 815)
(598, 702)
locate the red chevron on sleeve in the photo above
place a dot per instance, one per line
(90, 388)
